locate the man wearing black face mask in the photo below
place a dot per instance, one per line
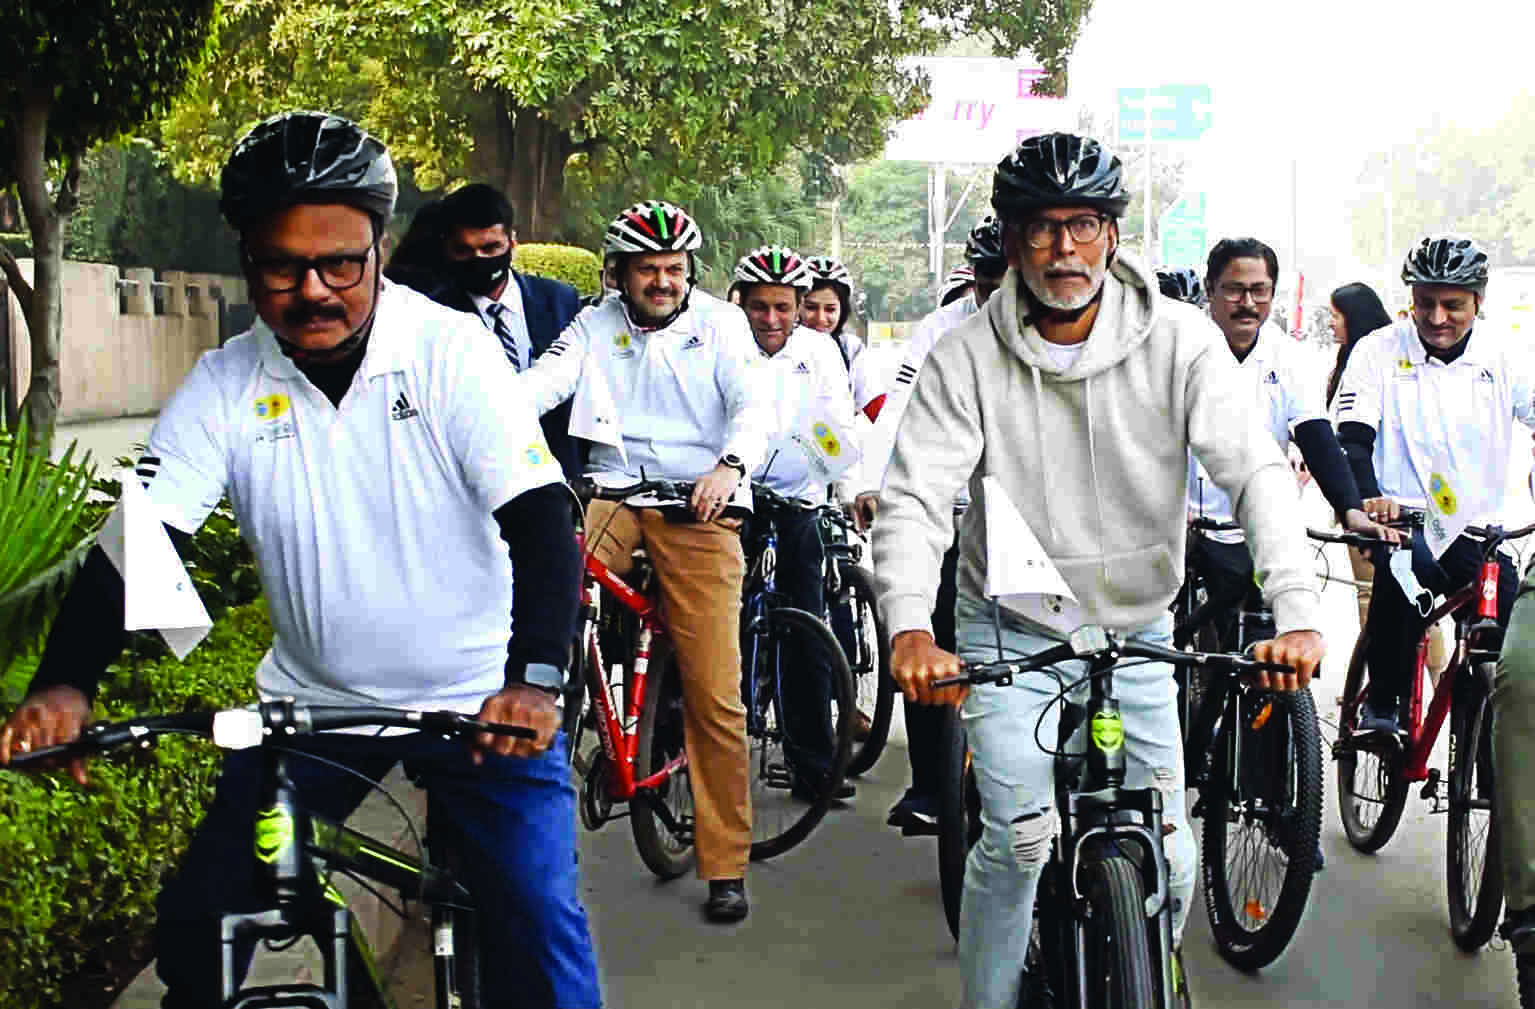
(525, 313)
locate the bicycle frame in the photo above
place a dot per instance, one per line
(620, 739)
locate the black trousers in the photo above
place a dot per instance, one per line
(807, 688)
(924, 722)
(1396, 624)
(1227, 572)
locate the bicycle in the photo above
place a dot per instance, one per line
(1103, 917)
(1253, 758)
(642, 762)
(290, 844)
(853, 614)
(1374, 769)
(780, 643)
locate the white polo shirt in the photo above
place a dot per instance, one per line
(670, 401)
(384, 571)
(1285, 394)
(809, 387)
(1440, 429)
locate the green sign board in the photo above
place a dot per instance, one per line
(1181, 234)
(1177, 112)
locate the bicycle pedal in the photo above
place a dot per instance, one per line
(1430, 789)
(778, 776)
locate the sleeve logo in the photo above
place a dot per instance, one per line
(271, 407)
(827, 440)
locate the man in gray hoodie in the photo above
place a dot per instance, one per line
(1081, 393)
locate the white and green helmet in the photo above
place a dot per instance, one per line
(774, 264)
(652, 226)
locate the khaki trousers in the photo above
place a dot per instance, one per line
(699, 567)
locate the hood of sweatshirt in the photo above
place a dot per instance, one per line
(1125, 317)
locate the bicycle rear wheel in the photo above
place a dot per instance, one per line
(1261, 826)
(1371, 789)
(868, 656)
(959, 813)
(789, 794)
(665, 848)
(1473, 878)
(1119, 970)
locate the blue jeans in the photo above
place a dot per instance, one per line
(513, 820)
(1016, 782)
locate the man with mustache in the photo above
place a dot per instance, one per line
(381, 474)
(664, 380)
(1241, 274)
(1426, 411)
(1080, 391)
(809, 387)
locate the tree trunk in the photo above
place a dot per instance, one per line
(43, 310)
(524, 154)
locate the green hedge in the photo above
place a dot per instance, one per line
(82, 866)
(580, 268)
(19, 243)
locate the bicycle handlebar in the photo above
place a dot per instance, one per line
(242, 728)
(590, 490)
(1094, 644)
(1212, 525)
(1359, 540)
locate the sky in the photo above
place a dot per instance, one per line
(1317, 82)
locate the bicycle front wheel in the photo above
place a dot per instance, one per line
(868, 656)
(959, 813)
(1371, 789)
(1261, 826)
(1474, 881)
(1119, 969)
(799, 743)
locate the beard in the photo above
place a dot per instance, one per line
(1036, 280)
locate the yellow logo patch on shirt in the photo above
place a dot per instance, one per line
(1403, 364)
(621, 339)
(271, 407)
(827, 440)
(537, 454)
(1443, 494)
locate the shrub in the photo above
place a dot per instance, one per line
(580, 268)
(82, 866)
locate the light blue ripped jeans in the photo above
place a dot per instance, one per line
(1016, 780)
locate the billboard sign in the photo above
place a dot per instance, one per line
(1182, 234)
(979, 110)
(1178, 112)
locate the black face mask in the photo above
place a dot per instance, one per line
(481, 274)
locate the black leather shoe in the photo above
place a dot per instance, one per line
(727, 900)
(811, 791)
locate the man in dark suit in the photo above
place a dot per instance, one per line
(525, 313)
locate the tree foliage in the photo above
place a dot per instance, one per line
(76, 74)
(510, 90)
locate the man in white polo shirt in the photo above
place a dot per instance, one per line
(375, 462)
(1426, 412)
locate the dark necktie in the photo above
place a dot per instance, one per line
(504, 333)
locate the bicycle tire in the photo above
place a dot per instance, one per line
(1475, 897)
(780, 818)
(873, 687)
(1378, 785)
(1120, 974)
(1253, 923)
(660, 740)
(959, 814)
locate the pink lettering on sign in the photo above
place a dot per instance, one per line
(1026, 78)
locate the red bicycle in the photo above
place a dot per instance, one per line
(1375, 768)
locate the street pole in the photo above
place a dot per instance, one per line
(1295, 216)
(937, 216)
(1151, 258)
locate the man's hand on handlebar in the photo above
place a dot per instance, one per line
(50, 717)
(518, 704)
(916, 661)
(713, 492)
(1356, 521)
(1382, 509)
(1301, 650)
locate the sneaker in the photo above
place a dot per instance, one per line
(1181, 997)
(1372, 719)
(916, 814)
(727, 900)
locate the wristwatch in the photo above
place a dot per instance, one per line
(735, 463)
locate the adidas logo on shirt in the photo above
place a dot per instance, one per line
(802, 368)
(1272, 378)
(402, 410)
(693, 341)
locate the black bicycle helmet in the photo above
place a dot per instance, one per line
(956, 285)
(1183, 284)
(984, 246)
(1058, 170)
(1454, 260)
(306, 157)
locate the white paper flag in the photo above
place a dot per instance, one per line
(593, 410)
(159, 594)
(1018, 571)
(827, 447)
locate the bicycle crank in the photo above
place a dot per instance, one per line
(596, 802)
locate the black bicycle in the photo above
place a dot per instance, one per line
(1253, 757)
(1103, 917)
(853, 614)
(296, 851)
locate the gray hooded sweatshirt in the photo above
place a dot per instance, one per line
(1095, 457)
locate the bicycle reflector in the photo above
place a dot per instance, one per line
(1487, 608)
